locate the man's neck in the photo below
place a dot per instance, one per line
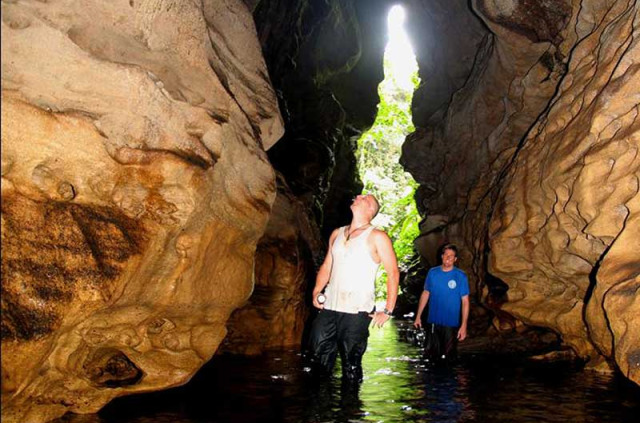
(358, 221)
(446, 269)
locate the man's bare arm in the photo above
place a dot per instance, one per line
(424, 299)
(462, 332)
(387, 255)
(322, 278)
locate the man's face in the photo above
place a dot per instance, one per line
(364, 202)
(448, 258)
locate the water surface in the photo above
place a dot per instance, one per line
(399, 386)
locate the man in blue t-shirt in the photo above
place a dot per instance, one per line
(446, 289)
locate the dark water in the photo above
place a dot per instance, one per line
(398, 387)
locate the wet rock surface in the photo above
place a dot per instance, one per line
(539, 181)
(276, 315)
(135, 188)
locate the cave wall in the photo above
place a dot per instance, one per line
(325, 61)
(578, 220)
(446, 37)
(532, 167)
(146, 183)
(277, 313)
(135, 189)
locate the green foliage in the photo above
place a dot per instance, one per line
(379, 152)
(403, 232)
(407, 228)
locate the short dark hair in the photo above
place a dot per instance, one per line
(451, 247)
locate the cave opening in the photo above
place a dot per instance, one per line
(379, 148)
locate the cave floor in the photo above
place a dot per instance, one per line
(399, 386)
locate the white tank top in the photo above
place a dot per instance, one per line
(351, 287)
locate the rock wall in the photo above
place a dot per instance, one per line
(135, 188)
(534, 170)
(445, 36)
(276, 315)
(569, 251)
(325, 59)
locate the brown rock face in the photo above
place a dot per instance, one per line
(276, 313)
(569, 249)
(135, 187)
(540, 176)
(445, 37)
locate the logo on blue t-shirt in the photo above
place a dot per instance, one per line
(451, 284)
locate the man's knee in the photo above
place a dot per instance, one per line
(352, 372)
(353, 340)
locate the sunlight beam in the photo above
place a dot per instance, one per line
(399, 52)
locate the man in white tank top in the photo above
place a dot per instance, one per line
(347, 277)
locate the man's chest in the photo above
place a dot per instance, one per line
(446, 287)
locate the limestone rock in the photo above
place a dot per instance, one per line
(135, 187)
(445, 36)
(277, 312)
(325, 59)
(566, 237)
(534, 170)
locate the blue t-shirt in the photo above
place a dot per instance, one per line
(445, 292)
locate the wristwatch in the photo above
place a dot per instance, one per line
(387, 312)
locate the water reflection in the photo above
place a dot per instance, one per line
(399, 386)
(404, 387)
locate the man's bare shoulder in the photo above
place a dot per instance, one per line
(379, 234)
